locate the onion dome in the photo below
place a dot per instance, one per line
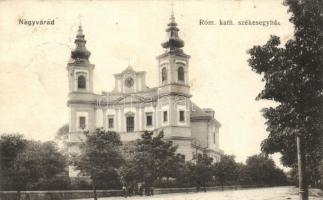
(173, 43)
(80, 53)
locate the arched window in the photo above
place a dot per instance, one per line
(164, 74)
(81, 82)
(180, 74)
(130, 121)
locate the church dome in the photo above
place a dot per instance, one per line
(80, 52)
(173, 42)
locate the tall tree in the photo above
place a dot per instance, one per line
(227, 170)
(293, 76)
(62, 138)
(27, 164)
(262, 170)
(203, 170)
(38, 162)
(10, 146)
(154, 158)
(100, 156)
(185, 176)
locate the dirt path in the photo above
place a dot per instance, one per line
(275, 193)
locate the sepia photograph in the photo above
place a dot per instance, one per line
(167, 100)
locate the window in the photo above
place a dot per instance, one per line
(164, 74)
(130, 124)
(193, 155)
(110, 122)
(181, 116)
(214, 137)
(149, 119)
(81, 82)
(165, 116)
(182, 157)
(82, 123)
(180, 74)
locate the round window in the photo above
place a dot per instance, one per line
(129, 82)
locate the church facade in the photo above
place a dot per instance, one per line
(132, 107)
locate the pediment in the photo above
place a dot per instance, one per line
(128, 70)
(131, 98)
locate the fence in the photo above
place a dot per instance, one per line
(78, 194)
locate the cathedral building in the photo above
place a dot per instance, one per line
(132, 107)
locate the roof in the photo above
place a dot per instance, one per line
(129, 69)
(198, 113)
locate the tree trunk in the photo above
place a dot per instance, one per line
(94, 190)
(222, 184)
(18, 195)
(302, 183)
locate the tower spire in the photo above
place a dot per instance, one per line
(173, 43)
(172, 13)
(80, 53)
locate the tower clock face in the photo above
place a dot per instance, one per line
(129, 82)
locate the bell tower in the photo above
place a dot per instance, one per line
(173, 64)
(174, 90)
(81, 99)
(80, 71)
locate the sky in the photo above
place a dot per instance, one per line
(33, 59)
